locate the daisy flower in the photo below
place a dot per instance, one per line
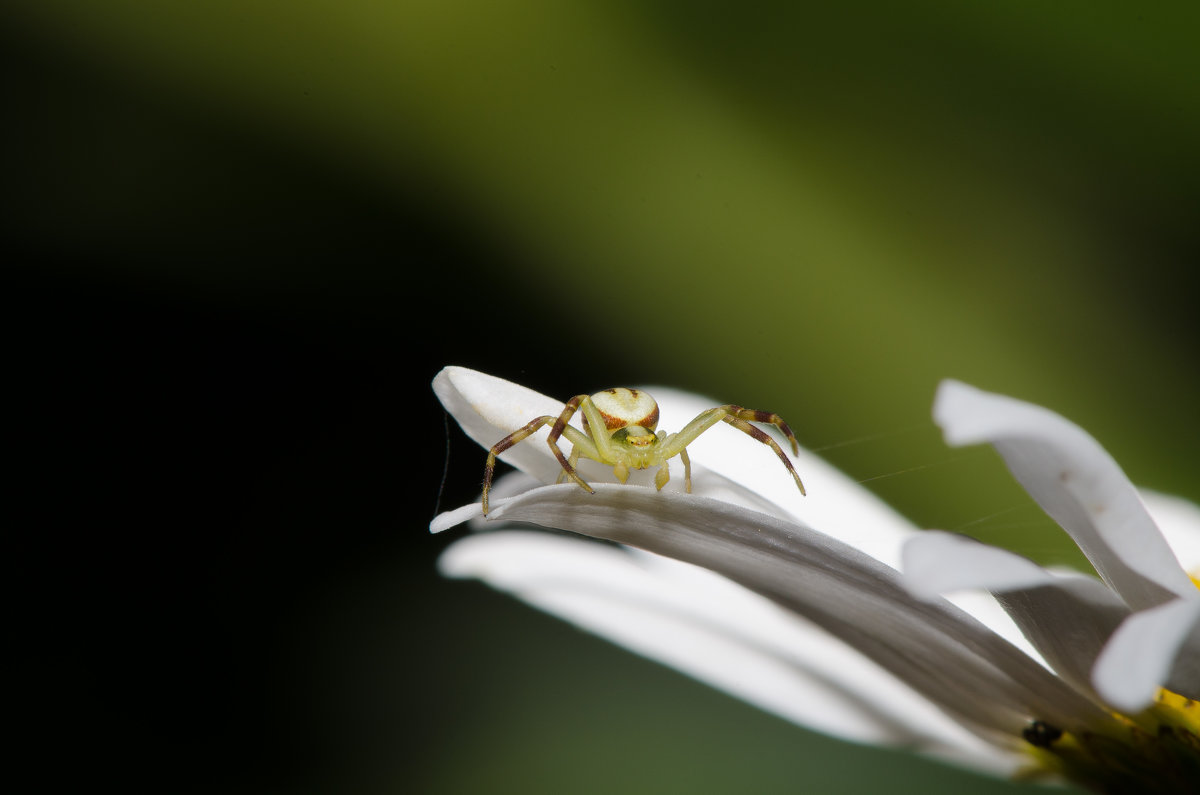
(836, 613)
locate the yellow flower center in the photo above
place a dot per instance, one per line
(1157, 750)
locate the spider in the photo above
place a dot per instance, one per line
(619, 430)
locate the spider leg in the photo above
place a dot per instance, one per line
(580, 444)
(761, 435)
(502, 445)
(738, 417)
(573, 460)
(577, 439)
(664, 471)
(765, 417)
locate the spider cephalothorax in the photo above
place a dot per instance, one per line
(619, 429)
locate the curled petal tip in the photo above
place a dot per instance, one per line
(448, 519)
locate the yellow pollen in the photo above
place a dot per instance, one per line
(1179, 712)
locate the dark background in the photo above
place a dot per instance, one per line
(227, 453)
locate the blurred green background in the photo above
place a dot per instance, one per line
(242, 236)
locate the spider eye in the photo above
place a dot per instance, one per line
(622, 407)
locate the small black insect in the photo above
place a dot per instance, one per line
(1041, 734)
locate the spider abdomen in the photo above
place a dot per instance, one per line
(622, 407)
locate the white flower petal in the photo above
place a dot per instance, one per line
(709, 484)
(936, 649)
(718, 633)
(1143, 654)
(937, 562)
(727, 465)
(985, 609)
(490, 408)
(1067, 618)
(837, 505)
(965, 572)
(1076, 482)
(448, 519)
(507, 485)
(1184, 677)
(1179, 521)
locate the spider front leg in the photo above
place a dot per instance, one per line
(502, 445)
(573, 460)
(580, 442)
(738, 417)
(664, 473)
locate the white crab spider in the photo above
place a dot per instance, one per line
(619, 430)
